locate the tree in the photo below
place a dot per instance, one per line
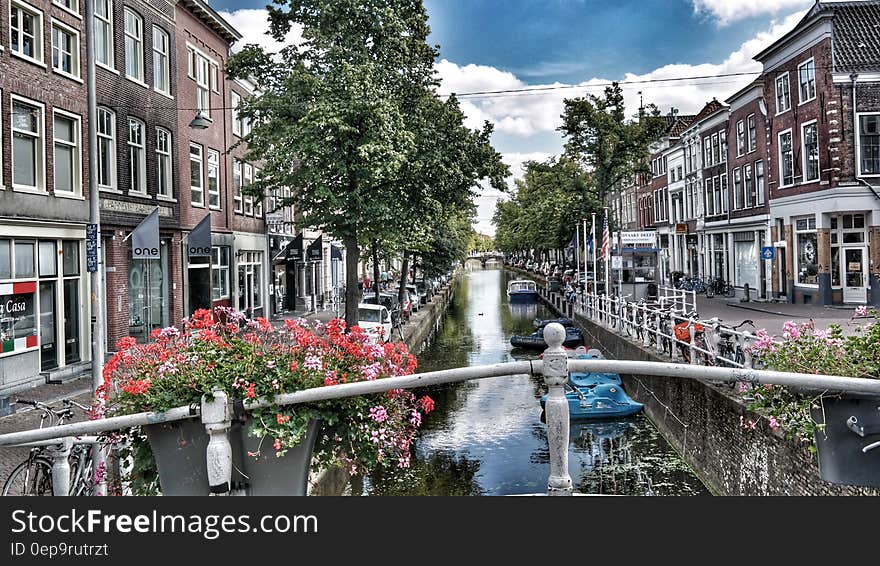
(341, 119)
(613, 147)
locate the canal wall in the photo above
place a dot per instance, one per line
(702, 422)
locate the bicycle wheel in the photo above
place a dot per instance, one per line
(729, 290)
(30, 478)
(81, 481)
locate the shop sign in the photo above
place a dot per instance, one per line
(18, 323)
(681, 228)
(640, 239)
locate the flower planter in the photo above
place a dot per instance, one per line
(181, 458)
(841, 459)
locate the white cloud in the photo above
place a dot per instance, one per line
(254, 25)
(728, 11)
(489, 196)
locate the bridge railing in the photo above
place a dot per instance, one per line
(554, 368)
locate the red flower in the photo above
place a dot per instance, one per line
(126, 343)
(250, 391)
(137, 387)
(427, 404)
(277, 444)
(294, 365)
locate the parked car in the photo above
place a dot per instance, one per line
(376, 321)
(414, 297)
(388, 300)
(424, 291)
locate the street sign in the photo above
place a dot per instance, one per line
(91, 248)
(768, 253)
(616, 262)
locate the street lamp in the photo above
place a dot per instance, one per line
(201, 121)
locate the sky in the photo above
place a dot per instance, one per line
(490, 45)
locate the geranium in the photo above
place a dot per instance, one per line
(251, 359)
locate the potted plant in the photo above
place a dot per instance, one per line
(837, 426)
(249, 359)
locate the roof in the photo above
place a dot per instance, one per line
(680, 125)
(215, 21)
(757, 83)
(856, 35)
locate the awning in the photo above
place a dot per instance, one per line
(314, 251)
(292, 252)
(335, 253)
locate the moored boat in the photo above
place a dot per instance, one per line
(522, 290)
(573, 339)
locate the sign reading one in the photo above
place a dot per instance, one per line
(18, 323)
(145, 238)
(198, 243)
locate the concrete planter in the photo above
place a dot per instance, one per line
(841, 459)
(180, 452)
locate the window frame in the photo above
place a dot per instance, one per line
(40, 149)
(801, 99)
(760, 183)
(38, 35)
(75, 54)
(236, 120)
(74, 11)
(738, 192)
(201, 161)
(106, 22)
(740, 138)
(162, 156)
(860, 171)
(138, 40)
(805, 157)
(247, 177)
(215, 155)
(782, 183)
(77, 144)
(780, 77)
(797, 260)
(141, 148)
(752, 132)
(237, 180)
(158, 55)
(111, 169)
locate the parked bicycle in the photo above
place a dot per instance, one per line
(720, 287)
(688, 283)
(34, 475)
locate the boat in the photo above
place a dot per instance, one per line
(566, 322)
(524, 290)
(601, 401)
(596, 395)
(573, 338)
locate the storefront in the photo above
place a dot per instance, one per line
(43, 303)
(149, 300)
(251, 267)
(639, 263)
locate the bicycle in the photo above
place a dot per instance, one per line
(34, 475)
(719, 287)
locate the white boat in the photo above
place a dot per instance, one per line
(522, 290)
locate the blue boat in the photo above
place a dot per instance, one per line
(522, 290)
(597, 395)
(573, 339)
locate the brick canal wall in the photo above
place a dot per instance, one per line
(702, 422)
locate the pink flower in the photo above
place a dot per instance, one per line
(415, 418)
(378, 414)
(277, 444)
(790, 330)
(862, 311)
(774, 424)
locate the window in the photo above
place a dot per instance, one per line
(749, 184)
(783, 94)
(807, 268)
(215, 77)
(220, 272)
(710, 200)
(869, 144)
(213, 179)
(247, 176)
(759, 182)
(66, 135)
(807, 81)
(196, 175)
(137, 157)
(26, 31)
(753, 134)
(258, 206)
(104, 32)
(134, 46)
(201, 72)
(740, 138)
(722, 192)
(164, 167)
(716, 149)
(65, 50)
(786, 160)
(236, 175)
(24, 259)
(236, 121)
(811, 151)
(69, 5)
(707, 151)
(27, 146)
(106, 149)
(738, 199)
(161, 49)
(722, 139)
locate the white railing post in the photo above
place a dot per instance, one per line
(217, 418)
(646, 339)
(673, 351)
(747, 353)
(61, 466)
(692, 332)
(555, 372)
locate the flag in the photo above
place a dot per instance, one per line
(606, 243)
(592, 237)
(198, 243)
(145, 238)
(573, 242)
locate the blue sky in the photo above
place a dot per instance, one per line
(502, 44)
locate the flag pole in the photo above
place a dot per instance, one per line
(595, 263)
(577, 251)
(606, 252)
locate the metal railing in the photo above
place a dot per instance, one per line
(216, 414)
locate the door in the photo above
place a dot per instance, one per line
(48, 328)
(71, 321)
(854, 278)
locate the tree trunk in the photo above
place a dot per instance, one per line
(404, 271)
(352, 295)
(376, 269)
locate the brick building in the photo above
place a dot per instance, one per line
(821, 83)
(44, 293)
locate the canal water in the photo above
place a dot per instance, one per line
(486, 437)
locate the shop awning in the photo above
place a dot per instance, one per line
(335, 253)
(314, 251)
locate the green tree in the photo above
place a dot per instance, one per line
(598, 132)
(341, 119)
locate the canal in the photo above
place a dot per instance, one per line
(486, 437)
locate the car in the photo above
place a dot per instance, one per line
(376, 321)
(424, 292)
(414, 296)
(388, 300)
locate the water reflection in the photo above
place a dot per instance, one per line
(486, 436)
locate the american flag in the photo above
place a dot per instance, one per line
(606, 240)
